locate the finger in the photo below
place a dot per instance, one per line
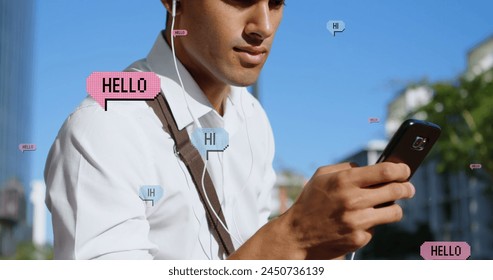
(360, 238)
(380, 173)
(371, 197)
(377, 195)
(334, 168)
(378, 216)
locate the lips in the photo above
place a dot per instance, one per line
(251, 55)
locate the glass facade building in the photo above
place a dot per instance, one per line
(16, 71)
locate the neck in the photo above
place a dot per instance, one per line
(215, 90)
(216, 93)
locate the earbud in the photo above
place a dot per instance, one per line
(173, 8)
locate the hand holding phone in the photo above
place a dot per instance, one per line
(341, 203)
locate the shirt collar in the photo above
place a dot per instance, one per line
(160, 61)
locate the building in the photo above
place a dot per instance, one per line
(404, 104)
(480, 58)
(287, 188)
(16, 69)
(40, 213)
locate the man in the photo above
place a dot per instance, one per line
(101, 160)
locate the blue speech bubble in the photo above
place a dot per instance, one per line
(336, 26)
(151, 193)
(210, 140)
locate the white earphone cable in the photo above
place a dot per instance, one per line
(197, 123)
(195, 120)
(210, 205)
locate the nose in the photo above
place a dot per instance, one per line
(260, 25)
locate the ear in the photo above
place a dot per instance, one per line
(168, 4)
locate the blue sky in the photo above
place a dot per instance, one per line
(318, 90)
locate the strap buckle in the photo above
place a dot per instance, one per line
(177, 153)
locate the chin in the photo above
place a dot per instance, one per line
(244, 78)
(243, 84)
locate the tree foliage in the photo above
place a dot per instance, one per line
(464, 110)
(29, 251)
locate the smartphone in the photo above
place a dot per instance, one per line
(411, 143)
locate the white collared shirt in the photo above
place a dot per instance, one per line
(101, 160)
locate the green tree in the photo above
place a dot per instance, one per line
(464, 110)
(29, 251)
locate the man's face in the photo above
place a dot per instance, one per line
(228, 41)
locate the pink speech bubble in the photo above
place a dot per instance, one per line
(27, 147)
(475, 166)
(104, 86)
(431, 250)
(180, 32)
(373, 120)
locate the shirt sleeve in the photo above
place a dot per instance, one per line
(92, 174)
